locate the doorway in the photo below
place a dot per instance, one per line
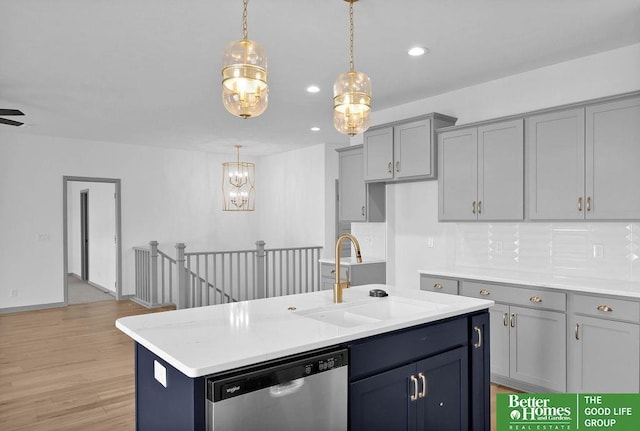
(91, 238)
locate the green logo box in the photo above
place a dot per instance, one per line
(551, 412)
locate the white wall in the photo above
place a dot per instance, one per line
(167, 195)
(102, 230)
(410, 225)
(294, 195)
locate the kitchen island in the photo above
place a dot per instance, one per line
(391, 342)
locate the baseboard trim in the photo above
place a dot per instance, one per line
(104, 289)
(31, 307)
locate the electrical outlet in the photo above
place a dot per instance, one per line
(497, 248)
(430, 242)
(14, 293)
(160, 373)
(598, 251)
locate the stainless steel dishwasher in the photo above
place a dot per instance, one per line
(304, 392)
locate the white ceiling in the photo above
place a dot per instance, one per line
(148, 71)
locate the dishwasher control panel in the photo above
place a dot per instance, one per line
(274, 373)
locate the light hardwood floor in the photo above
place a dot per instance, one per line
(71, 369)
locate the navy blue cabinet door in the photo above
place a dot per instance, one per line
(443, 397)
(480, 373)
(381, 402)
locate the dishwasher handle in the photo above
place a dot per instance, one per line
(284, 389)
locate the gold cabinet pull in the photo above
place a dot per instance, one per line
(580, 204)
(577, 331)
(504, 319)
(485, 292)
(437, 286)
(535, 299)
(389, 167)
(414, 395)
(398, 166)
(479, 332)
(605, 308)
(423, 392)
(473, 207)
(589, 203)
(513, 320)
(479, 207)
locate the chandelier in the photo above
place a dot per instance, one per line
(351, 94)
(238, 179)
(244, 75)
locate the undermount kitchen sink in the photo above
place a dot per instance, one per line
(381, 309)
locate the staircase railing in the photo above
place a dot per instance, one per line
(195, 279)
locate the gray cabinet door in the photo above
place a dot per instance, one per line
(604, 356)
(613, 160)
(352, 196)
(499, 324)
(501, 171)
(555, 143)
(538, 348)
(458, 170)
(413, 152)
(378, 154)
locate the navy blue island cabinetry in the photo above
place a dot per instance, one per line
(433, 376)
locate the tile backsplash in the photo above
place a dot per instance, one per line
(599, 250)
(372, 238)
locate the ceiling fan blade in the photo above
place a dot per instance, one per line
(9, 112)
(10, 122)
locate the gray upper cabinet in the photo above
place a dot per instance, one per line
(556, 165)
(458, 167)
(482, 172)
(352, 190)
(357, 201)
(612, 160)
(403, 151)
(583, 162)
(378, 154)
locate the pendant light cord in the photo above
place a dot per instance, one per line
(245, 31)
(351, 36)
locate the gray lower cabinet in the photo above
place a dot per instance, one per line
(482, 172)
(356, 274)
(438, 284)
(582, 162)
(528, 345)
(604, 345)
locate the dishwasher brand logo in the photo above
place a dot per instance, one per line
(547, 412)
(233, 389)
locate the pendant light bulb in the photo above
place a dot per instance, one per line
(351, 94)
(244, 75)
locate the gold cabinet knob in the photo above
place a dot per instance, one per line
(485, 292)
(605, 308)
(535, 299)
(437, 286)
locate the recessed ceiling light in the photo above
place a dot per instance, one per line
(313, 89)
(315, 129)
(417, 51)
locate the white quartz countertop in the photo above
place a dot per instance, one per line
(348, 261)
(535, 279)
(207, 340)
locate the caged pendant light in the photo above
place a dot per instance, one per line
(244, 75)
(351, 94)
(238, 179)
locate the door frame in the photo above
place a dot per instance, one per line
(65, 246)
(84, 234)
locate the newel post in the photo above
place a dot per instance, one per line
(154, 272)
(183, 294)
(261, 290)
